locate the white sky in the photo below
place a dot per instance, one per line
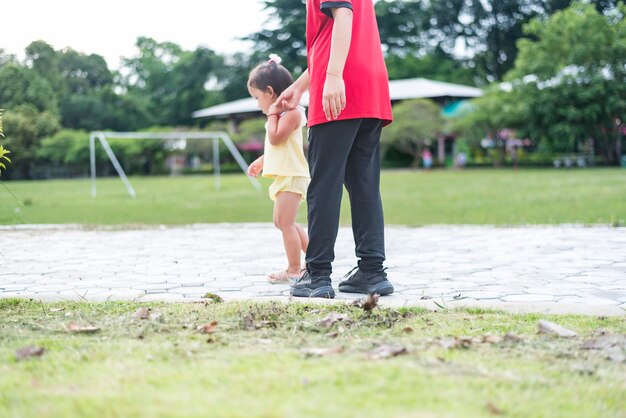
(111, 28)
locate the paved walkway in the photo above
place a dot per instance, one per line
(538, 269)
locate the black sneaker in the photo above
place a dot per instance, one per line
(309, 286)
(367, 283)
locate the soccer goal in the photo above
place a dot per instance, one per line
(216, 137)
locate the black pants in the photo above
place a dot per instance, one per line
(345, 152)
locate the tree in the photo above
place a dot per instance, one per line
(288, 40)
(44, 60)
(490, 29)
(251, 129)
(489, 115)
(402, 25)
(417, 123)
(20, 85)
(27, 127)
(572, 77)
(3, 151)
(233, 76)
(171, 80)
(436, 65)
(86, 78)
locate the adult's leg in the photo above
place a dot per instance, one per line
(362, 179)
(329, 146)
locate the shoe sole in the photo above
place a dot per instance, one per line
(382, 289)
(321, 292)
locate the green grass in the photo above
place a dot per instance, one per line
(164, 367)
(499, 197)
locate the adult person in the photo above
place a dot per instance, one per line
(348, 107)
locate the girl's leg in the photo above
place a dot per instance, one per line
(304, 238)
(286, 210)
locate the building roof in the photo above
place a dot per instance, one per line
(412, 88)
(423, 88)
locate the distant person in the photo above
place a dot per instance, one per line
(427, 159)
(514, 159)
(349, 105)
(283, 160)
(461, 160)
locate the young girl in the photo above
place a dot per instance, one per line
(283, 160)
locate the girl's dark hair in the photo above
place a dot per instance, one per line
(270, 74)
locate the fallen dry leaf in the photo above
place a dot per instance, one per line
(29, 352)
(81, 328)
(248, 323)
(215, 298)
(613, 346)
(321, 352)
(455, 342)
(208, 328)
(547, 327)
(333, 318)
(494, 409)
(386, 351)
(491, 339)
(142, 313)
(509, 336)
(605, 341)
(370, 303)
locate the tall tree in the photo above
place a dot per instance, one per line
(418, 122)
(571, 76)
(171, 79)
(44, 60)
(288, 39)
(568, 85)
(402, 25)
(21, 85)
(488, 30)
(26, 126)
(436, 65)
(85, 77)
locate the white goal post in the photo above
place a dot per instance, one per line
(214, 136)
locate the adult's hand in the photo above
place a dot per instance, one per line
(333, 96)
(290, 98)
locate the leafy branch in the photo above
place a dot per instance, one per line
(3, 151)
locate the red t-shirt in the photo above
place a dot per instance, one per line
(365, 74)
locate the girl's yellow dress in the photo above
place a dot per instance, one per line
(286, 164)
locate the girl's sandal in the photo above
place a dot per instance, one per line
(281, 277)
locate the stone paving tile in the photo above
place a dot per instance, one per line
(529, 298)
(481, 294)
(552, 268)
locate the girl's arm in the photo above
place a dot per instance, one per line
(280, 127)
(334, 93)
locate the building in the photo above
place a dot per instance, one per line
(448, 95)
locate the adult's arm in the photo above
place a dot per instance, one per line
(334, 93)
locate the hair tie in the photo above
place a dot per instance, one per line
(275, 58)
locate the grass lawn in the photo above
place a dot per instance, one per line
(269, 360)
(416, 198)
